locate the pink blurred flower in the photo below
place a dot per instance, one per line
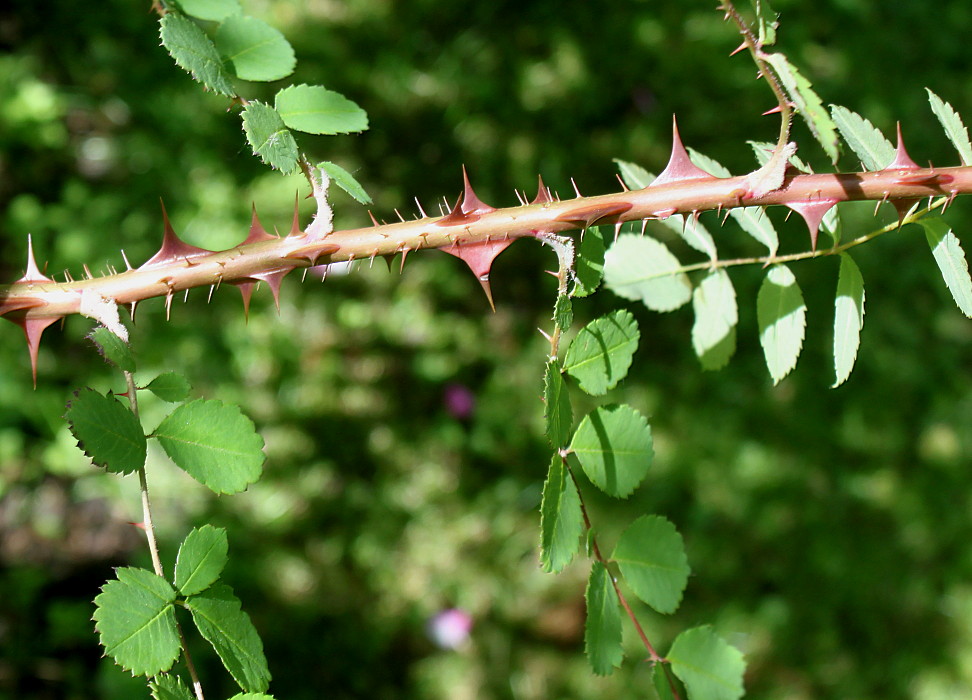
(449, 628)
(459, 401)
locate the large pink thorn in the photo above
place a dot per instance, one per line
(813, 213)
(172, 247)
(471, 204)
(479, 257)
(902, 162)
(257, 232)
(543, 193)
(680, 167)
(33, 329)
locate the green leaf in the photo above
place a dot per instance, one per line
(170, 386)
(166, 686)
(716, 316)
(269, 137)
(660, 682)
(768, 21)
(221, 621)
(602, 632)
(643, 269)
(954, 128)
(563, 312)
(317, 110)
(106, 431)
(193, 51)
(782, 317)
(201, 559)
(764, 152)
(136, 620)
(807, 103)
(345, 180)
(651, 556)
(866, 140)
(561, 519)
(951, 261)
(252, 696)
(215, 443)
(831, 225)
(213, 10)
(635, 177)
(557, 414)
(589, 263)
(113, 349)
(600, 355)
(614, 446)
(848, 317)
(256, 50)
(707, 665)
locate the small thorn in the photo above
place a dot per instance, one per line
(624, 187)
(168, 305)
(520, 198)
(680, 167)
(128, 265)
(405, 252)
(774, 110)
(576, 190)
(295, 225)
(545, 335)
(421, 210)
(373, 219)
(399, 215)
(212, 288)
(87, 272)
(741, 47)
(644, 227)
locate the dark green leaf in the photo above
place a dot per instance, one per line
(345, 180)
(213, 10)
(716, 315)
(707, 665)
(782, 317)
(317, 110)
(661, 683)
(558, 415)
(218, 616)
(643, 269)
(113, 349)
(169, 386)
(561, 520)
(589, 264)
(269, 137)
(166, 686)
(201, 559)
(193, 51)
(651, 556)
(107, 431)
(602, 632)
(848, 317)
(600, 355)
(135, 617)
(951, 261)
(614, 446)
(215, 443)
(256, 50)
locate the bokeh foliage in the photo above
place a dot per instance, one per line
(827, 529)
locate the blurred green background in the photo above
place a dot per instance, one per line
(829, 531)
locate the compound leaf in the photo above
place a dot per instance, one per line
(170, 386)
(865, 139)
(709, 667)
(345, 180)
(643, 269)
(600, 355)
(106, 431)
(651, 556)
(317, 110)
(166, 686)
(561, 520)
(195, 52)
(602, 631)
(136, 620)
(256, 50)
(221, 621)
(954, 128)
(202, 556)
(782, 316)
(848, 317)
(214, 443)
(951, 261)
(716, 316)
(558, 415)
(807, 103)
(614, 447)
(269, 137)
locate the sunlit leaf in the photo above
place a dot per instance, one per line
(634, 176)
(866, 140)
(651, 556)
(317, 110)
(643, 269)
(256, 50)
(345, 180)
(589, 264)
(269, 137)
(557, 412)
(106, 431)
(561, 520)
(951, 261)
(170, 386)
(808, 104)
(848, 317)
(716, 316)
(782, 317)
(614, 447)
(213, 10)
(602, 631)
(954, 128)
(202, 556)
(599, 357)
(195, 52)
(710, 668)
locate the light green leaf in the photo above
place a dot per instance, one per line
(135, 617)
(716, 316)
(782, 317)
(831, 224)
(113, 349)
(764, 150)
(561, 519)
(768, 21)
(221, 621)
(213, 10)
(170, 386)
(643, 269)
(201, 559)
(614, 446)
(600, 355)
(866, 140)
(954, 128)
(193, 51)
(252, 696)
(256, 50)
(707, 665)
(634, 176)
(848, 317)
(808, 104)
(651, 556)
(215, 443)
(563, 312)
(106, 431)
(269, 137)
(345, 180)
(602, 632)
(951, 261)
(167, 686)
(557, 414)
(317, 110)
(589, 263)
